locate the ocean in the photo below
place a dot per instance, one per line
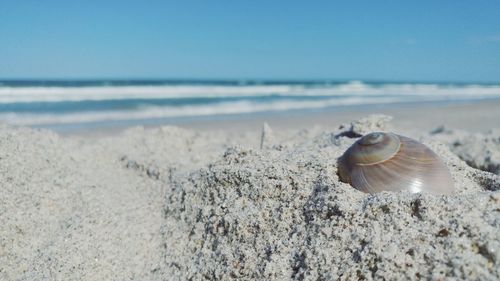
(65, 103)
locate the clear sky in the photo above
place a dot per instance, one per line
(243, 39)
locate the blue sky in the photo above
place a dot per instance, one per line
(377, 40)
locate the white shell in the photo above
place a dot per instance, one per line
(388, 162)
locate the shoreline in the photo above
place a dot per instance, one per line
(477, 116)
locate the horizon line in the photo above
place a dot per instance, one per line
(240, 80)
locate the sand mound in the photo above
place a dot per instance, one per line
(479, 150)
(280, 212)
(168, 203)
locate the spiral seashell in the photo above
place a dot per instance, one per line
(388, 162)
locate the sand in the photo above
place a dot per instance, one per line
(173, 204)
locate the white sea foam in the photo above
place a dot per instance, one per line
(223, 108)
(348, 94)
(60, 94)
(354, 88)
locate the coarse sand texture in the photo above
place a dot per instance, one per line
(176, 204)
(282, 213)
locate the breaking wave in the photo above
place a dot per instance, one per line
(55, 104)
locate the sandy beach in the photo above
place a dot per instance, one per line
(249, 140)
(243, 200)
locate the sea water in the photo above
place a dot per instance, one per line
(96, 102)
